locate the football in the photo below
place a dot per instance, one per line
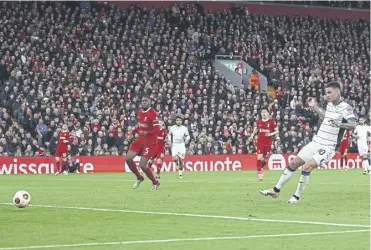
(21, 199)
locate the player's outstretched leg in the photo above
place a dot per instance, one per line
(285, 177)
(303, 181)
(133, 168)
(143, 165)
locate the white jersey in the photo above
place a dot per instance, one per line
(362, 132)
(327, 135)
(178, 134)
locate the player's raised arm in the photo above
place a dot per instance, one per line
(312, 103)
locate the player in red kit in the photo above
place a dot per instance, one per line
(266, 129)
(160, 151)
(343, 150)
(145, 144)
(62, 148)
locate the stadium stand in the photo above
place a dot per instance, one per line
(88, 67)
(336, 4)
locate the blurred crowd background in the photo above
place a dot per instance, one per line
(88, 64)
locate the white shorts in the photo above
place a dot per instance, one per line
(362, 148)
(178, 150)
(320, 153)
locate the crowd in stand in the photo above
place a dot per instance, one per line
(336, 4)
(88, 68)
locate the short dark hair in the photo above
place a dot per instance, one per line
(335, 85)
(264, 108)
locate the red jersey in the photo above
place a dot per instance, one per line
(64, 137)
(147, 121)
(162, 134)
(346, 136)
(265, 127)
(344, 144)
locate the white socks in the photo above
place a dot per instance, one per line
(303, 181)
(285, 177)
(366, 165)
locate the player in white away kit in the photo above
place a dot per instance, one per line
(361, 133)
(178, 137)
(338, 116)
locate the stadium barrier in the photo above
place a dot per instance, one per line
(194, 163)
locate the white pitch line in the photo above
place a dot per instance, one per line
(183, 240)
(235, 181)
(200, 216)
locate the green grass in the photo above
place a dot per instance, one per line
(332, 196)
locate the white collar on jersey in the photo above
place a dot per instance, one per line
(145, 111)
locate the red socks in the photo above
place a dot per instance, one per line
(59, 166)
(148, 172)
(134, 169)
(259, 165)
(158, 168)
(345, 157)
(150, 175)
(263, 163)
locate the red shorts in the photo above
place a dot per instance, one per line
(143, 150)
(61, 152)
(263, 149)
(160, 152)
(343, 148)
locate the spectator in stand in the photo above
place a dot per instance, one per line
(337, 4)
(254, 79)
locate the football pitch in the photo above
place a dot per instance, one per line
(204, 210)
